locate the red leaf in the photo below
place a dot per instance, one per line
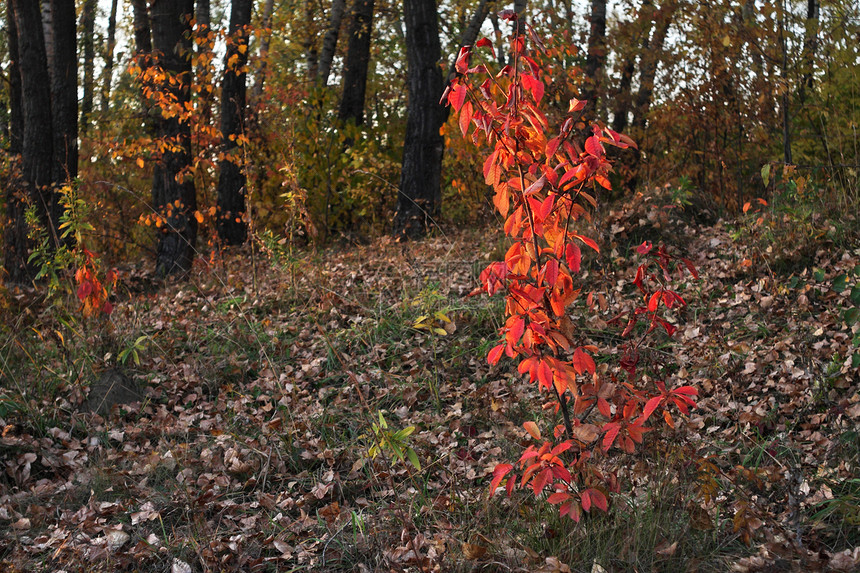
(593, 146)
(463, 60)
(576, 105)
(542, 480)
(589, 242)
(515, 332)
(558, 497)
(499, 474)
(484, 43)
(465, 118)
(650, 406)
(597, 498)
(544, 374)
(495, 354)
(457, 96)
(85, 289)
(612, 429)
(574, 257)
(644, 248)
(582, 362)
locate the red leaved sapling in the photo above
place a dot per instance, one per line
(544, 181)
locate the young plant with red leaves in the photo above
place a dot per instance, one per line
(544, 182)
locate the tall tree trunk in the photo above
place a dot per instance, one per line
(204, 45)
(268, 11)
(338, 7)
(623, 97)
(420, 194)
(647, 73)
(311, 54)
(204, 14)
(64, 91)
(173, 195)
(111, 45)
(231, 181)
(16, 244)
(596, 52)
(88, 24)
(143, 53)
(37, 145)
(142, 37)
(810, 46)
(786, 117)
(48, 31)
(357, 62)
(649, 63)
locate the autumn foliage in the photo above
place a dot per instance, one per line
(544, 183)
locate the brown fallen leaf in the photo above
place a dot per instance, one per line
(472, 551)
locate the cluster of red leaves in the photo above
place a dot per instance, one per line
(91, 291)
(541, 185)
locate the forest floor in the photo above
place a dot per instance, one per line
(265, 376)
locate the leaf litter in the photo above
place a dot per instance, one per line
(251, 448)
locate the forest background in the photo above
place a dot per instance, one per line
(149, 146)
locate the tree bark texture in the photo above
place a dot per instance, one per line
(357, 62)
(64, 91)
(88, 27)
(204, 14)
(268, 10)
(173, 195)
(648, 64)
(16, 244)
(231, 180)
(623, 97)
(37, 142)
(111, 45)
(338, 7)
(596, 51)
(420, 194)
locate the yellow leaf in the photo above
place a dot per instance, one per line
(199, 216)
(140, 162)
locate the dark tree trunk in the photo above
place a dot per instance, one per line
(204, 14)
(311, 54)
(268, 10)
(810, 46)
(357, 62)
(596, 52)
(649, 63)
(205, 77)
(231, 181)
(623, 97)
(88, 23)
(37, 144)
(143, 53)
(16, 244)
(111, 45)
(420, 194)
(647, 73)
(142, 37)
(338, 7)
(64, 91)
(173, 195)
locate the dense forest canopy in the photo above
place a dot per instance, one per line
(712, 92)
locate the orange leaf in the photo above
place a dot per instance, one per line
(532, 429)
